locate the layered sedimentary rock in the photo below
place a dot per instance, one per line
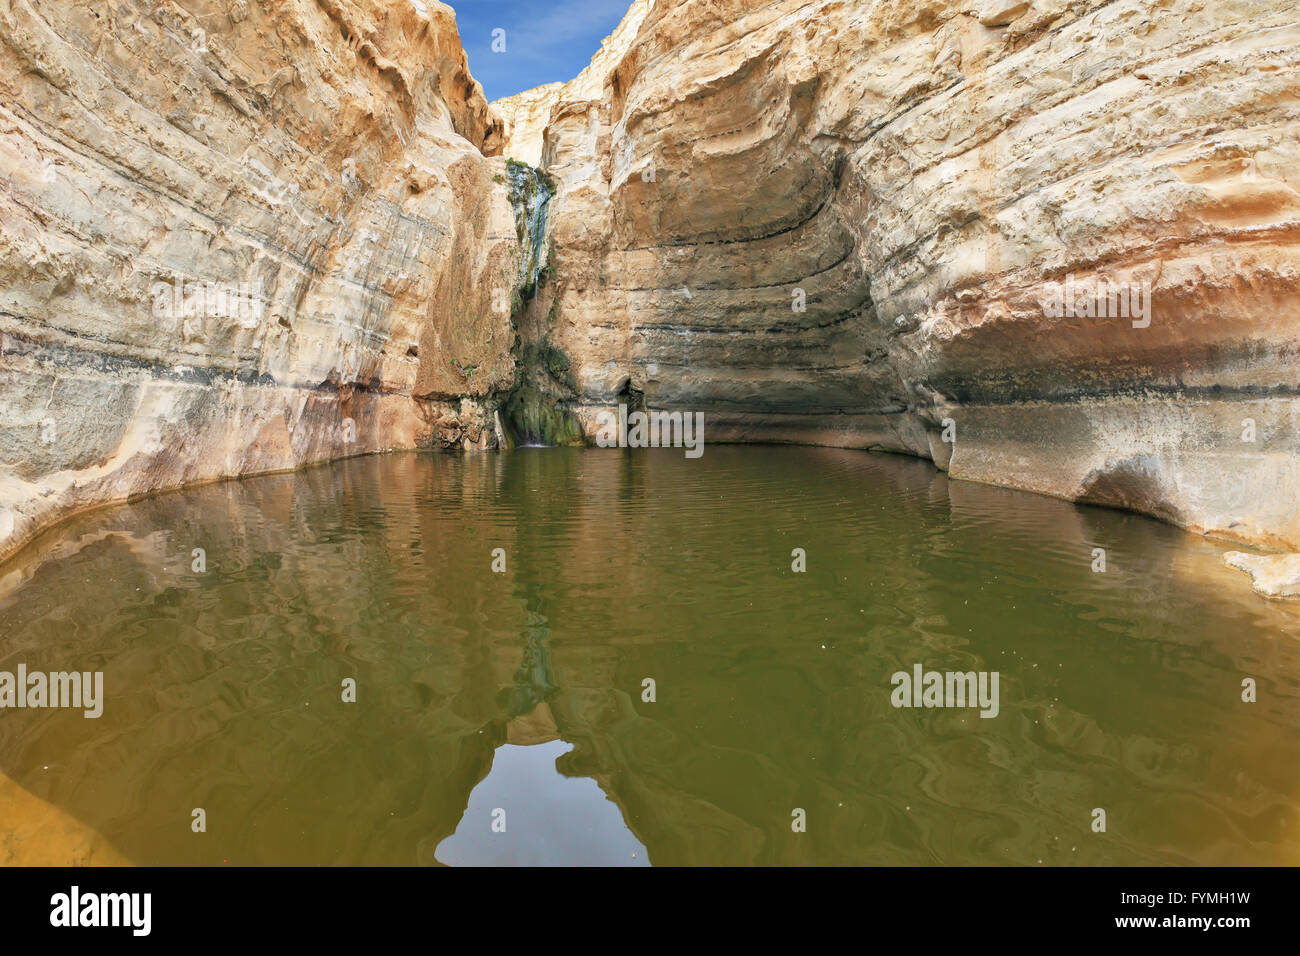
(1047, 244)
(1050, 245)
(239, 237)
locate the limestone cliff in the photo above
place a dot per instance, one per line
(1053, 245)
(238, 237)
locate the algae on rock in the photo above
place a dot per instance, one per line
(536, 411)
(531, 191)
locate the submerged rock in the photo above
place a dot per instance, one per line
(1272, 575)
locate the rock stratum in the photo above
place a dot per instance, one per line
(1049, 245)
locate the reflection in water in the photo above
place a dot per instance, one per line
(523, 690)
(541, 818)
(533, 683)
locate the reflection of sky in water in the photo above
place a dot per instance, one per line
(551, 820)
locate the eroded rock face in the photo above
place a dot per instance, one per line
(238, 237)
(1049, 245)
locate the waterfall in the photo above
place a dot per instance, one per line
(536, 411)
(531, 191)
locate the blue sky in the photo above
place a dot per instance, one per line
(546, 40)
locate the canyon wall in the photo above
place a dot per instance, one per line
(239, 237)
(1050, 245)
